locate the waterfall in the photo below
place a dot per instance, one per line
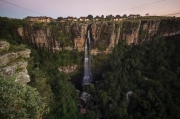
(87, 79)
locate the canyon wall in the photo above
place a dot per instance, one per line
(104, 34)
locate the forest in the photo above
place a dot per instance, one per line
(150, 70)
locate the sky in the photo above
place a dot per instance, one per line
(78, 8)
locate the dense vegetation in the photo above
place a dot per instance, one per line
(18, 101)
(151, 71)
(60, 95)
(8, 28)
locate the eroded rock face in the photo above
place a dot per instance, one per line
(147, 30)
(21, 31)
(68, 69)
(45, 36)
(79, 43)
(4, 46)
(104, 34)
(130, 31)
(39, 37)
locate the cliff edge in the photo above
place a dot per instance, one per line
(13, 61)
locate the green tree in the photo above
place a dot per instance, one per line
(102, 16)
(19, 102)
(59, 18)
(90, 115)
(109, 17)
(118, 16)
(66, 101)
(90, 17)
(124, 15)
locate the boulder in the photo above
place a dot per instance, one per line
(9, 70)
(23, 78)
(25, 54)
(4, 46)
(6, 58)
(18, 69)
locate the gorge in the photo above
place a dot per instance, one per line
(134, 61)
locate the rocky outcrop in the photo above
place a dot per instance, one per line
(23, 78)
(9, 57)
(68, 69)
(171, 33)
(25, 54)
(8, 70)
(95, 51)
(18, 69)
(6, 58)
(14, 64)
(4, 46)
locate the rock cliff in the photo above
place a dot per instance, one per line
(104, 34)
(14, 63)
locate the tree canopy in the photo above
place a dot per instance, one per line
(19, 102)
(90, 17)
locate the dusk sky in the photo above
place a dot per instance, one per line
(77, 8)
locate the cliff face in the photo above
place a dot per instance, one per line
(55, 36)
(147, 30)
(130, 31)
(38, 36)
(105, 34)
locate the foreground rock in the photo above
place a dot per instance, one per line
(14, 63)
(4, 46)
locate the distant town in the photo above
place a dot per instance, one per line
(46, 19)
(88, 18)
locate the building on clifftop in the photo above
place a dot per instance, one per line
(131, 16)
(83, 19)
(39, 19)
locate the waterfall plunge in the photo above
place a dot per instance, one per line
(87, 79)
